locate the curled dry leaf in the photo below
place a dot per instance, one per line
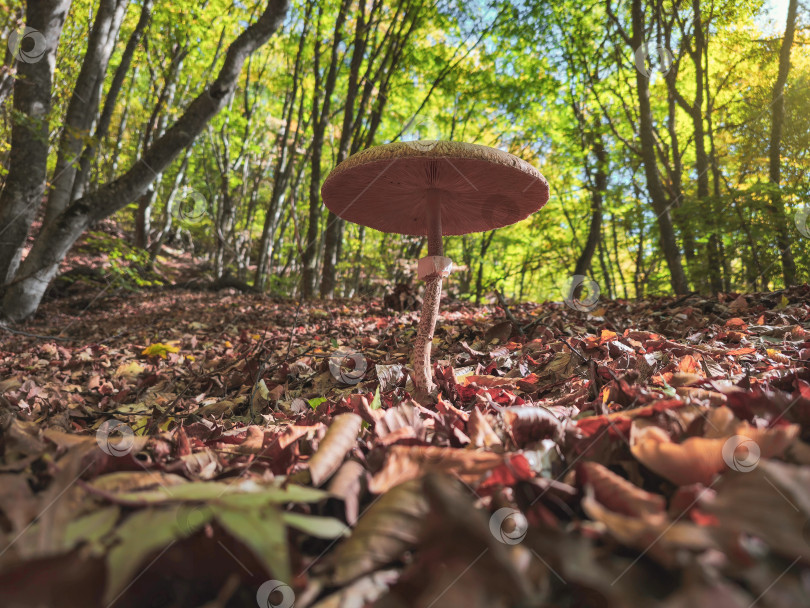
(531, 424)
(349, 484)
(464, 560)
(480, 431)
(648, 533)
(618, 494)
(403, 463)
(771, 502)
(389, 528)
(339, 441)
(488, 381)
(699, 459)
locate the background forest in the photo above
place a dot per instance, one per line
(675, 137)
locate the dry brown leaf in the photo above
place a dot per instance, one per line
(699, 459)
(202, 464)
(134, 481)
(488, 381)
(771, 502)
(389, 528)
(403, 463)
(618, 494)
(339, 441)
(650, 533)
(528, 424)
(349, 484)
(480, 431)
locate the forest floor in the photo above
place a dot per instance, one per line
(180, 448)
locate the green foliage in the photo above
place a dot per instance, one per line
(538, 79)
(126, 267)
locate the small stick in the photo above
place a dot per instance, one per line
(508, 312)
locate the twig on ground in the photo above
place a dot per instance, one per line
(37, 336)
(508, 312)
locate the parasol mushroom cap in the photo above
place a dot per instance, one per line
(479, 188)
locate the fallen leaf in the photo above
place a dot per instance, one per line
(339, 441)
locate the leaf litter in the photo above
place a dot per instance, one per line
(186, 449)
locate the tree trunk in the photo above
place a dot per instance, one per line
(486, 240)
(7, 69)
(597, 188)
(320, 110)
(83, 106)
(154, 129)
(669, 244)
(334, 225)
(103, 124)
(24, 294)
(774, 149)
(27, 169)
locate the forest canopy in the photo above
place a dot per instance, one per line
(675, 138)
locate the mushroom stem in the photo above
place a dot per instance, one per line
(423, 377)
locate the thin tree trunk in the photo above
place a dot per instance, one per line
(168, 211)
(597, 188)
(334, 225)
(83, 107)
(7, 69)
(774, 149)
(669, 244)
(28, 161)
(321, 105)
(103, 124)
(154, 129)
(616, 254)
(486, 240)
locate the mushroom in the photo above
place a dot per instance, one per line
(433, 189)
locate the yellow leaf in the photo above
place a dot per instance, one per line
(129, 371)
(158, 349)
